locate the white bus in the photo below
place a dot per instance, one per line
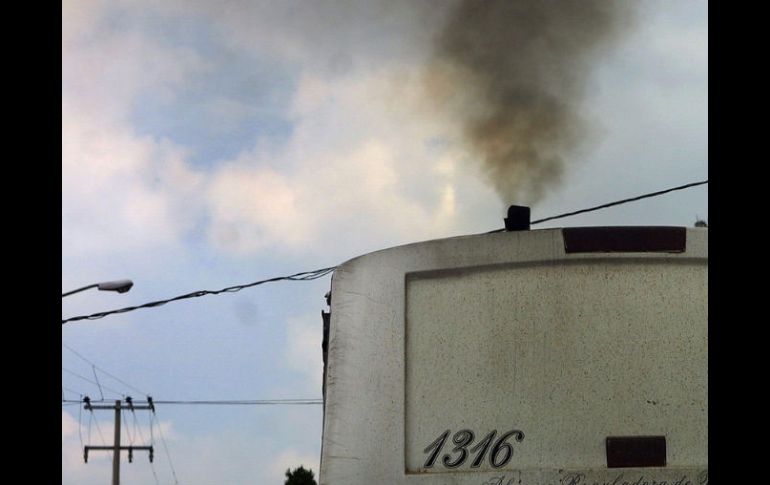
(574, 356)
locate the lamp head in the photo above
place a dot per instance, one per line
(121, 286)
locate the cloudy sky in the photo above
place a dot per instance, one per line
(211, 143)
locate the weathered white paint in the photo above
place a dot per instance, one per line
(506, 331)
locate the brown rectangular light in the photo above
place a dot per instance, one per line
(624, 239)
(636, 451)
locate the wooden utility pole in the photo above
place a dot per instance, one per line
(116, 447)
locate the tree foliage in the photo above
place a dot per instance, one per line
(300, 476)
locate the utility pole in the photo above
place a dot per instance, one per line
(116, 447)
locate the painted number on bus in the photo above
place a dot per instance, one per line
(499, 454)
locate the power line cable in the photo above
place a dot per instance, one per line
(92, 382)
(128, 428)
(93, 368)
(80, 425)
(303, 276)
(312, 275)
(152, 437)
(624, 201)
(90, 420)
(617, 202)
(73, 392)
(253, 402)
(98, 428)
(144, 442)
(102, 370)
(133, 415)
(165, 447)
(243, 401)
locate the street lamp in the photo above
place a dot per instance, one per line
(121, 286)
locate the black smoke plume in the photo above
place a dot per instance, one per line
(513, 75)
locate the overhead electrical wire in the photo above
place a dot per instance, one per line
(165, 446)
(231, 402)
(319, 273)
(93, 368)
(73, 392)
(145, 442)
(624, 201)
(92, 382)
(80, 426)
(246, 402)
(98, 428)
(303, 276)
(131, 436)
(612, 204)
(128, 428)
(102, 370)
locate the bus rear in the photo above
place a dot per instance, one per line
(559, 356)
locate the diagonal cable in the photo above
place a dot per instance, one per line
(92, 382)
(165, 447)
(617, 202)
(102, 370)
(303, 276)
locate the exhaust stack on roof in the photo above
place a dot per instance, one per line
(518, 218)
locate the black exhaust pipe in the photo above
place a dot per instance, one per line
(518, 218)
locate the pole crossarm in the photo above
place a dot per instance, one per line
(117, 447)
(89, 407)
(130, 450)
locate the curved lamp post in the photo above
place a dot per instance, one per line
(121, 286)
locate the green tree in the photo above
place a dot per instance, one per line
(299, 476)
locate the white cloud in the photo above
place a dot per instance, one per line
(253, 207)
(360, 164)
(358, 161)
(320, 34)
(72, 451)
(120, 190)
(68, 425)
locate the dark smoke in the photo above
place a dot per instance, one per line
(513, 74)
